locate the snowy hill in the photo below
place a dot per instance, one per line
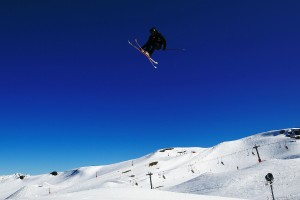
(226, 171)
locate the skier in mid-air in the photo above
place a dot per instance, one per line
(156, 41)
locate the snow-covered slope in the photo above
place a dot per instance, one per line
(230, 169)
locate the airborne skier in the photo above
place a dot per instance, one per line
(156, 41)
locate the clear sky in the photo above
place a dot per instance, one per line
(74, 93)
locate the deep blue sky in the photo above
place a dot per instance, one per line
(74, 93)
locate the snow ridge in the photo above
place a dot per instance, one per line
(226, 171)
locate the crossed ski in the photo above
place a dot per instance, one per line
(139, 48)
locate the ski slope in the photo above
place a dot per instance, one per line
(229, 170)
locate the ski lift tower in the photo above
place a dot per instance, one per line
(150, 174)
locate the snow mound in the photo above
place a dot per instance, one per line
(27, 192)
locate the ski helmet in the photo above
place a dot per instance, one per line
(153, 30)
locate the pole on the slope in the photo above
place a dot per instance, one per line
(150, 174)
(256, 148)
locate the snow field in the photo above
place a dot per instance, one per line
(227, 170)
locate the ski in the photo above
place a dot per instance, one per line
(136, 41)
(153, 62)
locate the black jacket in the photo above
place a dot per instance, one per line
(157, 41)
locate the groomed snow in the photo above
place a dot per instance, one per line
(127, 194)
